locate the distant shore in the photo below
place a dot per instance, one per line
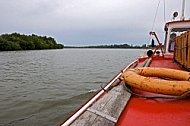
(122, 46)
(16, 41)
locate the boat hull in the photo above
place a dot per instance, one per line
(135, 110)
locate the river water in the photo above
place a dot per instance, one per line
(44, 87)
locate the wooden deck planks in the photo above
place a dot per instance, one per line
(111, 104)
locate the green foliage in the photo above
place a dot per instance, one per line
(16, 41)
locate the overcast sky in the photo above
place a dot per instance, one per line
(88, 22)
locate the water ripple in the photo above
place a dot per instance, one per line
(44, 87)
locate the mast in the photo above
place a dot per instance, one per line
(183, 8)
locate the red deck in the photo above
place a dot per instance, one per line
(157, 112)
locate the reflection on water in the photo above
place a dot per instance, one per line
(44, 87)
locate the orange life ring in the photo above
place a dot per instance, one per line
(141, 78)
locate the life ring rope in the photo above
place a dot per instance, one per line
(184, 95)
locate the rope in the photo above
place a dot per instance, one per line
(155, 15)
(154, 19)
(103, 88)
(164, 11)
(184, 95)
(115, 84)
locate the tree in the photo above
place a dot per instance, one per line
(16, 41)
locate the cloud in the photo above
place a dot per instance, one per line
(87, 22)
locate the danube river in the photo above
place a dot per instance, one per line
(42, 88)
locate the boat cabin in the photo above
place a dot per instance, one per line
(178, 33)
(174, 28)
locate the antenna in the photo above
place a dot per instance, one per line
(183, 8)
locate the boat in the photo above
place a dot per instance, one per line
(153, 90)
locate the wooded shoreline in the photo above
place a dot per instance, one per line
(115, 46)
(16, 41)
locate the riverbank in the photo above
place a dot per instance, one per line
(120, 46)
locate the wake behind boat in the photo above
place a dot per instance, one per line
(152, 90)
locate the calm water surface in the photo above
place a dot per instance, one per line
(39, 88)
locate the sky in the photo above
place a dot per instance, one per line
(89, 22)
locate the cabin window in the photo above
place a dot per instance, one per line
(172, 41)
(174, 33)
